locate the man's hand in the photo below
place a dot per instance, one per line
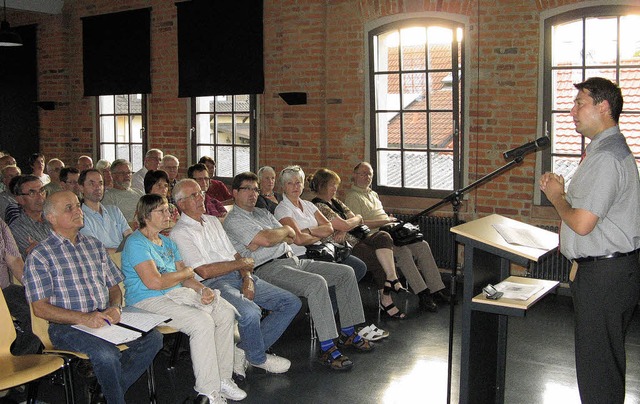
(552, 185)
(97, 319)
(248, 287)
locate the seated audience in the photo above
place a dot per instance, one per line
(157, 280)
(255, 233)
(268, 199)
(53, 169)
(200, 174)
(70, 279)
(309, 224)
(36, 162)
(151, 161)
(69, 180)
(7, 197)
(414, 260)
(122, 195)
(206, 248)
(104, 166)
(170, 164)
(104, 222)
(375, 249)
(5, 160)
(29, 227)
(84, 163)
(11, 264)
(217, 189)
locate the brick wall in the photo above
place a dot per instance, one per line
(317, 47)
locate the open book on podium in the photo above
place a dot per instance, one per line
(134, 323)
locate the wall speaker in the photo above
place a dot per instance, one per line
(294, 98)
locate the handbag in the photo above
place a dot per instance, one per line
(360, 232)
(403, 233)
(329, 252)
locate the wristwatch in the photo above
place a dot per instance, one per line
(117, 306)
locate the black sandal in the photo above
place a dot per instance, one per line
(390, 286)
(342, 362)
(398, 316)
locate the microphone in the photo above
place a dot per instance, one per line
(533, 146)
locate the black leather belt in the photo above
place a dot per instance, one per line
(606, 257)
(288, 254)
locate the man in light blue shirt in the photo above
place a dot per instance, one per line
(104, 222)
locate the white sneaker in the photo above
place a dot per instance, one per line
(230, 390)
(215, 398)
(239, 362)
(274, 364)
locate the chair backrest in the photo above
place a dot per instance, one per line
(7, 333)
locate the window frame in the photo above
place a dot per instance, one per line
(458, 110)
(617, 10)
(135, 164)
(253, 134)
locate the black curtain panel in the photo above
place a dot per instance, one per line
(19, 96)
(220, 47)
(116, 53)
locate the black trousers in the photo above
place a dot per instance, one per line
(605, 294)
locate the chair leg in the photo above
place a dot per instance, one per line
(67, 378)
(32, 391)
(176, 351)
(151, 382)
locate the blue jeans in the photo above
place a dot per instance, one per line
(116, 371)
(257, 336)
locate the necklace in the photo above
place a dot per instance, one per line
(268, 195)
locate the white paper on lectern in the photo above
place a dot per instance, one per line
(522, 236)
(517, 291)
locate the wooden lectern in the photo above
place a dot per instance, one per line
(487, 259)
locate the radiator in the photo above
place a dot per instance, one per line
(436, 233)
(554, 267)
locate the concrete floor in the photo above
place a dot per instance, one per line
(408, 367)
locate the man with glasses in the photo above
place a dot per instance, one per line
(122, 195)
(205, 247)
(84, 163)
(54, 166)
(29, 228)
(255, 233)
(200, 174)
(152, 160)
(170, 164)
(69, 180)
(104, 222)
(217, 189)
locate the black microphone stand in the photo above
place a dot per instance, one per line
(454, 198)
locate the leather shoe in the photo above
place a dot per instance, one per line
(442, 296)
(427, 303)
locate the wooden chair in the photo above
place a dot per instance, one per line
(18, 370)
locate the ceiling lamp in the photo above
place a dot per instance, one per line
(7, 36)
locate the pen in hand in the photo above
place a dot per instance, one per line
(107, 321)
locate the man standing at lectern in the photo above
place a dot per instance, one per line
(600, 232)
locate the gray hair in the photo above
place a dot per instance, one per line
(265, 169)
(177, 192)
(102, 164)
(290, 172)
(117, 163)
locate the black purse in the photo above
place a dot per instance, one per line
(329, 252)
(403, 233)
(360, 232)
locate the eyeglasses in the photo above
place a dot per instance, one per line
(122, 172)
(252, 189)
(164, 211)
(34, 192)
(202, 179)
(71, 182)
(194, 195)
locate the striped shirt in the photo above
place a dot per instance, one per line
(26, 230)
(8, 248)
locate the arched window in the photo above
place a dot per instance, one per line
(416, 106)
